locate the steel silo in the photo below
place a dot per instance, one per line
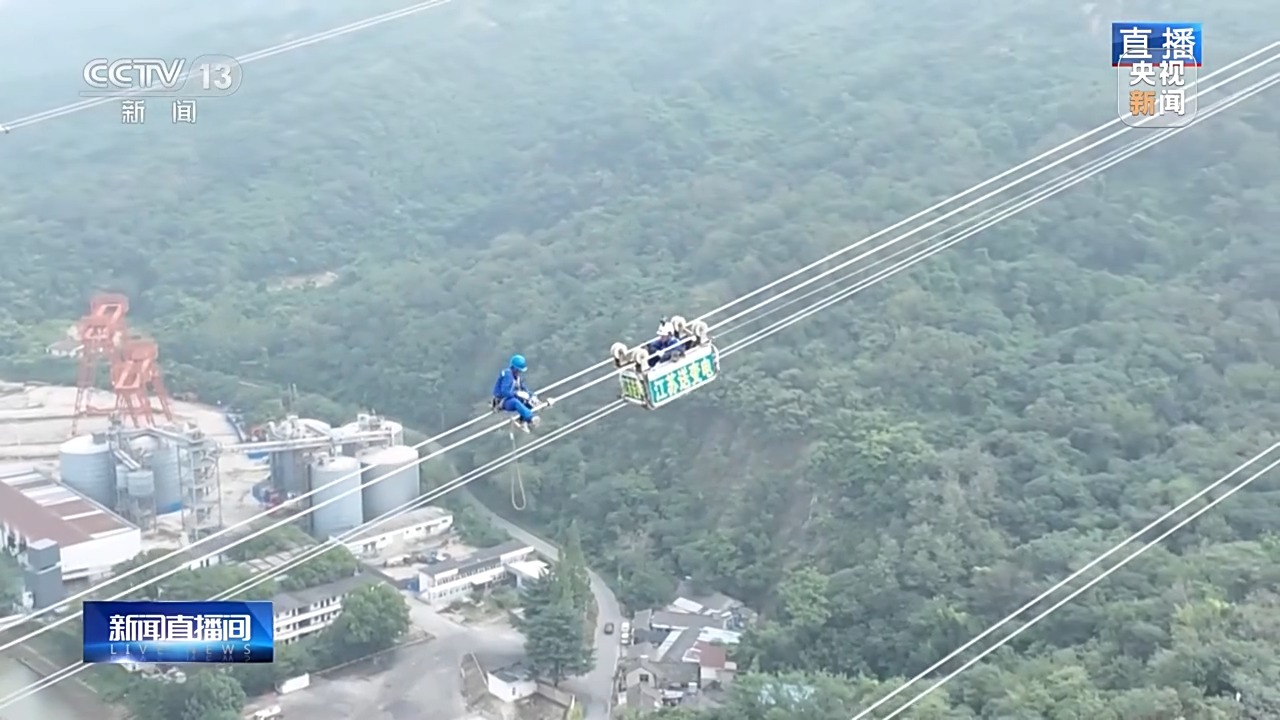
(289, 471)
(345, 512)
(399, 484)
(172, 469)
(87, 466)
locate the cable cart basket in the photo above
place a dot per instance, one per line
(652, 378)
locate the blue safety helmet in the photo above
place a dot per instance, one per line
(518, 363)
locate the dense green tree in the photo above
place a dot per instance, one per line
(373, 619)
(881, 481)
(204, 695)
(334, 564)
(11, 582)
(572, 569)
(290, 661)
(536, 596)
(556, 643)
(147, 700)
(145, 559)
(202, 583)
(214, 580)
(473, 528)
(554, 627)
(207, 695)
(281, 539)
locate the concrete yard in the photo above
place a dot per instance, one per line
(36, 419)
(420, 682)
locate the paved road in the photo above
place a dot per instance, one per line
(423, 684)
(595, 689)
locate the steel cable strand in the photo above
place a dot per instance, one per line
(1074, 154)
(1075, 178)
(72, 108)
(474, 436)
(1082, 589)
(308, 554)
(1142, 145)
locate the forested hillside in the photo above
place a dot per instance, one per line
(882, 481)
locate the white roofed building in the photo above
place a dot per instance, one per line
(413, 526)
(526, 571)
(448, 582)
(91, 539)
(306, 612)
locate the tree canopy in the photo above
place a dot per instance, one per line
(555, 614)
(383, 224)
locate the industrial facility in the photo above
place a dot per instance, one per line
(306, 455)
(143, 477)
(145, 473)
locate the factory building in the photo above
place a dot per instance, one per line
(90, 538)
(448, 582)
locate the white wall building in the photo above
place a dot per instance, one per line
(448, 582)
(527, 571)
(91, 538)
(411, 527)
(306, 612)
(65, 348)
(511, 683)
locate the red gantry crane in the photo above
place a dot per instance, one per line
(133, 369)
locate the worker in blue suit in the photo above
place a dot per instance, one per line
(666, 346)
(512, 395)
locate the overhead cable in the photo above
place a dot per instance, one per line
(297, 501)
(72, 108)
(1094, 581)
(1054, 187)
(1051, 188)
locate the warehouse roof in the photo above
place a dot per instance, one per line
(37, 507)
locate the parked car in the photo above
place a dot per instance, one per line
(608, 628)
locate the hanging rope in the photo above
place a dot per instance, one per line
(518, 499)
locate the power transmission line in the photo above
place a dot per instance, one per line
(1087, 586)
(1031, 199)
(297, 501)
(474, 436)
(255, 56)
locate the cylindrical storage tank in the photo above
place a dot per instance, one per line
(313, 426)
(289, 471)
(396, 430)
(140, 484)
(399, 484)
(343, 513)
(88, 467)
(340, 434)
(172, 471)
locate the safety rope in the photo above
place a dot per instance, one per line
(518, 499)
